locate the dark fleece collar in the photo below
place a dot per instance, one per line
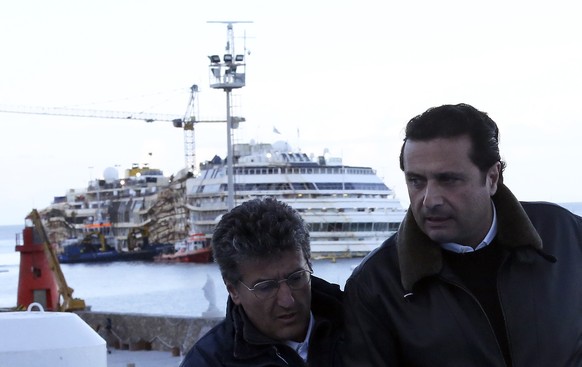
(420, 257)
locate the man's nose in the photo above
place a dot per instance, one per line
(432, 195)
(285, 295)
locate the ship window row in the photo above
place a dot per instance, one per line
(303, 170)
(295, 157)
(350, 186)
(330, 227)
(353, 227)
(124, 193)
(197, 202)
(143, 181)
(299, 186)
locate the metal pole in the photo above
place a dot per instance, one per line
(230, 197)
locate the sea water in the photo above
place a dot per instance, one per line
(149, 287)
(143, 287)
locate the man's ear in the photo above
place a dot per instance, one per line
(492, 180)
(233, 292)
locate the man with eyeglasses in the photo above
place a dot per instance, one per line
(278, 314)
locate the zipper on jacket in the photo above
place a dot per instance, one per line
(498, 281)
(279, 355)
(464, 289)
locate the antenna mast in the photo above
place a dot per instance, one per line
(228, 74)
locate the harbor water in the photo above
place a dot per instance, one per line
(143, 287)
(148, 287)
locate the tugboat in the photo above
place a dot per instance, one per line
(193, 249)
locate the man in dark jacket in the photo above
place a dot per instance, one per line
(473, 277)
(278, 314)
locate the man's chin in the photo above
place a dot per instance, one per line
(439, 236)
(290, 333)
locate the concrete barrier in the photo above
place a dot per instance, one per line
(149, 332)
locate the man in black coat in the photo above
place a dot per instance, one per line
(473, 277)
(278, 314)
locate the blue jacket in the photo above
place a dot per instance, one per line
(236, 342)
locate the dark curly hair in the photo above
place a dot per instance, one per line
(448, 121)
(258, 229)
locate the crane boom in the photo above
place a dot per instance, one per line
(64, 111)
(186, 122)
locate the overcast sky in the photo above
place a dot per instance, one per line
(341, 75)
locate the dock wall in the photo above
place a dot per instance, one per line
(149, 332)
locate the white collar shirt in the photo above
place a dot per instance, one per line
(301, 348)
(461, 249)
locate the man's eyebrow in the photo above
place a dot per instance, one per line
(300, 268)
(412, 174)
(438, 175)
(441, 175)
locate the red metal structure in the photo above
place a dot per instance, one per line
(36, 282)
(41, 279)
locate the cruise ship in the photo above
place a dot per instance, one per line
(349, 209)
(143, 203)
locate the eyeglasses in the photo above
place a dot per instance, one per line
(268, 288)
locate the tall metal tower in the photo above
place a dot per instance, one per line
(228, 73)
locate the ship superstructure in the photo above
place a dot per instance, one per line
(144, 202)
(349, 209)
